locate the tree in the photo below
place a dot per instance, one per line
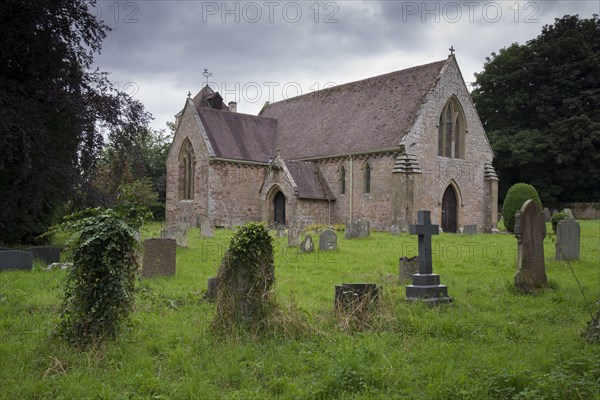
(540, 105)
(55, 110)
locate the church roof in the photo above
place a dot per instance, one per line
(366, 115)
(239, 136)
(309, 180)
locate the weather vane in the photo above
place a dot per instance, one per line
(206, 74)
(451, 51)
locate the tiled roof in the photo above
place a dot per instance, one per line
(310, 181)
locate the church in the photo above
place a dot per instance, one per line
(378, 149)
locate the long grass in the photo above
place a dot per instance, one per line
(490, 343)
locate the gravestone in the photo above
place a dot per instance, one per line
(425, 284)
(177, 232)
(547, 215)
(408, 267)
(307, 245)
(16, 259)
(48, 254)
(328, 240)
(568, 212)
(294, 236)
(211, 289)
(357, 229)
(568, 234)
(530, 231)
(470, 230)
(356, 297)
(394, 230)
(206, 227)
(159, 257)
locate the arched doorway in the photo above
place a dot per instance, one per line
(279, 209)
(449, 210)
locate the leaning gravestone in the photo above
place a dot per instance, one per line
(16, 259)
(328, 240)
(568, 234)
(177, 232)
(530, 231)
(547, 215)
(470, 230)
(426, 285)
(357, 229)
(408, 267)
(159, 257)
(307, 245)
(48, 254)
(293, 236)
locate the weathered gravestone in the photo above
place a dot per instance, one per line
(547, 215)
(159, 257)
(394, 230)
(294, 236)
(47, 254)
(470, 230)
(568, 234)
(206, 227)
(408, 267)
(356, 297)
(16, 259)
(426, 285)
(530, 231)
(307, 245)
(245, 278)
(177, 232)
(357, 229)
(211, 289)
(328, 240)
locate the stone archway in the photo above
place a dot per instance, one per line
(279, 208)
(450, 210)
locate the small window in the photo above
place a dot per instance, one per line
(367, 170)
(342, 180)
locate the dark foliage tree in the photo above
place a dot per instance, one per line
(54, 110)
(540, 105)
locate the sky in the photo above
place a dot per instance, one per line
(260, 51)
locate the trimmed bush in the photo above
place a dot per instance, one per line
(556, 218)
(517, 195)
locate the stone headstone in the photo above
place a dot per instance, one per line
(530, 231)
(568, 234)
(294, 236)
(426, 285)
(394, 230)
(159, 257)
(16, 259)
(356, 297)
(408, 267)
(211, 289)
(470, 230)
(357, 229)
(307, 245)
(568, 212)
(547, 215)
(206, 227)
(328, 240)
(48, 254)
(177, 232)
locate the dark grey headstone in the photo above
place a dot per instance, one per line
(294, 236)
(568, 234)
(356, 297)
(211, 289)
(470, 230)
(177, 232)
(357, 229)
(307, 245)
(159, 257)
(408, 267)
(426, 285)
(530, 231)
(16, 259)
(547, 215)
(48, 254)
(328, 240)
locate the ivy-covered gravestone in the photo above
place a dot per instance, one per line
(244, 280)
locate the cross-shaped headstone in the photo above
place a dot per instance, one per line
(451, 50)
(424, 229)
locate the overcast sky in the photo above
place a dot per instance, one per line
(260, 51)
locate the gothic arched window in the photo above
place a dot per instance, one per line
(187, 167)
(451, 130)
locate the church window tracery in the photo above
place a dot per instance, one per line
(187, 167)
(451, 130)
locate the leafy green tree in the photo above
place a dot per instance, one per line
(540, 105)
(55, 110)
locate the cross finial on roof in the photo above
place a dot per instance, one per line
(451, 50)
(189, 95)
(206, 74)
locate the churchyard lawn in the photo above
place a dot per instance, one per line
(490, 343)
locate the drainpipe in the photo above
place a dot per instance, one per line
(351, 185)
(329, 212)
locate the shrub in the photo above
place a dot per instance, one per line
(556, 218)
(517, 195)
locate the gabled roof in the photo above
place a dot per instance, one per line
(371, 114)
(239, 136)
(208, 98)
(310, 182)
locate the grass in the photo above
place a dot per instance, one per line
(489, 344)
